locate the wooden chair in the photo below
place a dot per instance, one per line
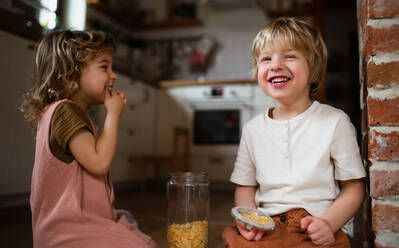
(177, 161)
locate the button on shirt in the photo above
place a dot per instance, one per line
(296, 163)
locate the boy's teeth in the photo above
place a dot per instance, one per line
(279, 80)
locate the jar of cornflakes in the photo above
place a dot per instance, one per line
(188, 210)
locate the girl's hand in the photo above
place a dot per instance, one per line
(318, 229)
(254, 234)
(115, 101)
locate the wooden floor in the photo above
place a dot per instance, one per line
(149, 209)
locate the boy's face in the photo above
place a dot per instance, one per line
(283, 73)
(96, 77)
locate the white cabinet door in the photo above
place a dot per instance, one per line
(17, 139)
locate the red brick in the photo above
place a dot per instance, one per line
(384, 183)
(362, 21)
(383, 111)
(385, 217)
(366, 218)
(364, 146)
(383, 8)
(362, 14)
(364, 117)
(383, 146)
(382, 74)
(381, 40)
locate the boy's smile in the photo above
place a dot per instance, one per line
(278, 81)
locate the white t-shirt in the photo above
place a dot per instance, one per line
(296, 163)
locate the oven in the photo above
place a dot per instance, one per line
(218, 114)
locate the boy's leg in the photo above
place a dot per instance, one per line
(287, 234)
(341, 240)
(296, 237)
(232, 239)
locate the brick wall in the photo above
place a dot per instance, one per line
(378, 22)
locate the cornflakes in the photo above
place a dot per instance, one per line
(255, 217)
(189, 235)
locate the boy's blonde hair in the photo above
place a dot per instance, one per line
(60, 57)
(299, 35)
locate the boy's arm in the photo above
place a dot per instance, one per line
(321, 230)
(96, 155)
(346, 204)
(245, 196)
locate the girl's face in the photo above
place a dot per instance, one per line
(97, 77)
(283, 73)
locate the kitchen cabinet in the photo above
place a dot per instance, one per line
(17, 139)
(133, 24)
(20, 24)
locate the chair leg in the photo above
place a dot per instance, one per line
(156, 174)
(175, 165)
(143, 178)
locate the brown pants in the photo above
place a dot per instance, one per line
(287, 234)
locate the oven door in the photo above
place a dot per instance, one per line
(217, 125)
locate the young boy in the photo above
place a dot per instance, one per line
(299, 162)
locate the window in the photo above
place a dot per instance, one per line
(47, 17)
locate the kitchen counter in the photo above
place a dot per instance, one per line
(175, 83)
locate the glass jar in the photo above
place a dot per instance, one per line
(188, 210)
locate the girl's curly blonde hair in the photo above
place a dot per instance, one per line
(60, 57)
(298, 35)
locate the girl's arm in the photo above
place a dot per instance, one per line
(96, 155)
(321, 230)
(245, 196)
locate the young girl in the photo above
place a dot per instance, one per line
(299, 162)
(71, 193)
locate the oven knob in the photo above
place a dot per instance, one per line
(233, 93)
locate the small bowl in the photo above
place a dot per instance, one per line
(236, 212)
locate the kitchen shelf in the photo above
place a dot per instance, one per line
(132, 23)
(20, 24)
(175, 83)
(295, 13)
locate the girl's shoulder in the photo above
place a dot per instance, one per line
(68, 111)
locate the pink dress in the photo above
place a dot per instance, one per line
(73, 208)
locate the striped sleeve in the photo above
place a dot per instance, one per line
(68, 118)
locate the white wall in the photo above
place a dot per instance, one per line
(16, 143)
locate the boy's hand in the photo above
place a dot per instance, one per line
(254, 234)
(115, 101)
(318, 229)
